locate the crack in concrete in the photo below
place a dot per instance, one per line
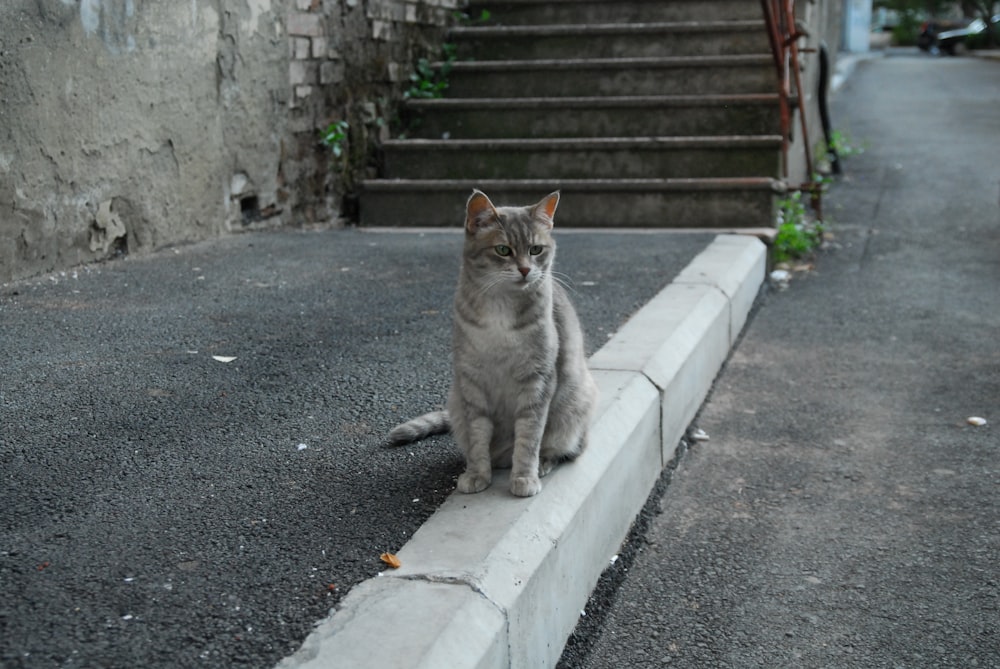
(455, 580)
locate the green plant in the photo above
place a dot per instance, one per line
(905, 32)
(429, 82)
(840, 147)
(911, 14)
(467, 19)
(844, 145)
(335, 137)
(798, 235)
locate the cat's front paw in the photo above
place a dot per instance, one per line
(525, 486)
(545, 465)
(470, 482)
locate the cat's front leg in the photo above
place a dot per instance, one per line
(525, 486)
(524, 480)
(474, 442)
(472, 481)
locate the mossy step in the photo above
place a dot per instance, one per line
(615, 157)
(689, 75)
(522, 12)
(610, 40)
(604, 116)
(605, 203)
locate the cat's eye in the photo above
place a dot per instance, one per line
(502, 250)
(535, 250)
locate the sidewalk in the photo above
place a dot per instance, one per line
(843, 512)
(191, 441)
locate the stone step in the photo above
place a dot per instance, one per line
(528, 12)
(612, 116)
(644, 113)
(610, 40)
(688, 75)
(611, 203)
(586, 158)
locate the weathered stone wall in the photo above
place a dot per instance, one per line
(128, 125)
(350, 60)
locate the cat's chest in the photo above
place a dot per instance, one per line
(508, 338)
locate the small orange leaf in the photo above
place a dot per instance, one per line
(391, 560)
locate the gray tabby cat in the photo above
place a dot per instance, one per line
(521, 394)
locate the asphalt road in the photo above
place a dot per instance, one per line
(161, 508)
(843, 512)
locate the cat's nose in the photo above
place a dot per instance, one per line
(524, 270)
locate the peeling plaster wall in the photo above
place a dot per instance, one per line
(140, 110)
(128, 125)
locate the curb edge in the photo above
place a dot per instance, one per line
(509, 592)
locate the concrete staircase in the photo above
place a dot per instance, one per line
(645, 113)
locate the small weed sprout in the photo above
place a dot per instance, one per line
(468, 19)
(798, 235)
(428, 82)
(844, 145)
(840, 147)
(335, 137)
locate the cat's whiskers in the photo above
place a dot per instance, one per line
(494, 279)
(562, 279)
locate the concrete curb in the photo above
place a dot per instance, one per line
(491, 580)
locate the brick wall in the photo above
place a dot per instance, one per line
(349, 60)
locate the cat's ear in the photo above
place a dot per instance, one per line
(479, 211)
(545, 211)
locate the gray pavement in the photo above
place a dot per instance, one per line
(161, 508)
(843, 512)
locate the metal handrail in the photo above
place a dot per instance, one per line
(783, 34)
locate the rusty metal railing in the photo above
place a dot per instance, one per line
(784, 34)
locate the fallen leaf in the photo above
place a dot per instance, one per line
(391, 560)
(224, 358)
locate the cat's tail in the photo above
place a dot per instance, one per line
(415, 429)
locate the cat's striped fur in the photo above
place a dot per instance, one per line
(435, 422)
(521, 394)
